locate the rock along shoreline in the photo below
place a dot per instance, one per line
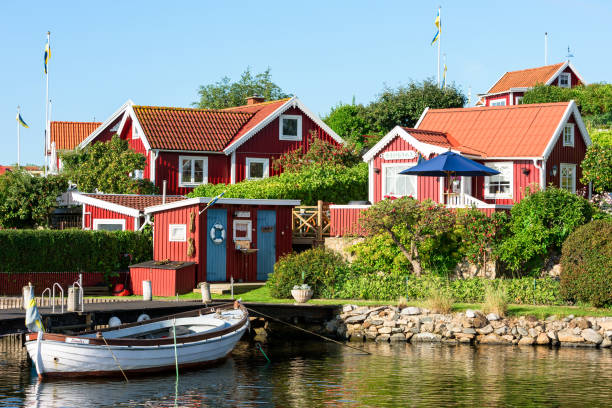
(414, 325)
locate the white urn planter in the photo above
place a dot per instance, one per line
(301, 295)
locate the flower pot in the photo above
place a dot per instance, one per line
(301, 295)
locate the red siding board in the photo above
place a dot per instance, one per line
(94, 213)
(566, 154)
(164, 282)
(167, 168)
(345, 221)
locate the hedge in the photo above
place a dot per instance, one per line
(24, 251)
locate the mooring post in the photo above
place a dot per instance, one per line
(232, 286)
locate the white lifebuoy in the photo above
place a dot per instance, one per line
(213, 233)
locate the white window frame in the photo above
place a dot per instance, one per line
(569, 143)
(204, 167)
(510, 195)
(281, 136)
(137, 174)
(568, 166)
(111, 221)
(497, 102)
(518, 100)
(266, 168)
(135, 134)
(385, 169)
(249, 224)
(181, 229)
(569, 80)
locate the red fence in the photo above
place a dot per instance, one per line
(344, 219)
(12, 283)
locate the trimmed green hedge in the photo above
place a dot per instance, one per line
(72, 250)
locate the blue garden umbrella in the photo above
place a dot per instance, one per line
(449, 164)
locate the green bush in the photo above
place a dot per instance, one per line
(539, 224)
(361, 284)
(72, 250)
(320, 268)
(586, 264)
(337, 184)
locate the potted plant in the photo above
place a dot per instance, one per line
(302, 293)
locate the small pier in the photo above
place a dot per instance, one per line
(98, 314)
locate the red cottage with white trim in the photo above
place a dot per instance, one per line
(510, 88)
(533, 145)
(189, 147)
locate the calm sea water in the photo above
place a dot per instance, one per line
(313, 373)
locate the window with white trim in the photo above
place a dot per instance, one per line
(193, 171)
(498, 102)
(177, 233)
(110, 224)
(135, 133)
(565, 80)
(398, 185)
(242, 230)
(257, 168)
(567, 178)
(518, 100)
(499, 185)
(137, 174)
(568, 135)
(290, 127)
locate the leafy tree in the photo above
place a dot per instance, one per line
(225, 93)
(597, 167)
(350, 122)
(106, 167)
(26, 201)
(403, 106)
(540, 223)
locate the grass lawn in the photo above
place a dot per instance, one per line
(262, 295)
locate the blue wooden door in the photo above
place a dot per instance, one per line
(266, 243)
(216, 244)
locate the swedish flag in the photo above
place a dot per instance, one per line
(33, 320)
(47, 55)
(21, 121)
(438, 25)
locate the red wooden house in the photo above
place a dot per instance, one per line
(188, 147)
(533, 145)
(511, 87)
(65, 136)
(239, 238)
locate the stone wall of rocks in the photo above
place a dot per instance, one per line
(413, 324)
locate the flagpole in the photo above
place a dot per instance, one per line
(439, 41)
(47, 104)
(18, 137)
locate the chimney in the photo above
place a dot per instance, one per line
(252, 100)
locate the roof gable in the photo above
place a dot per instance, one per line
(505, 131)
(68, 135)
(526, 78)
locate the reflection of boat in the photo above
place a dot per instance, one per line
(200, 336)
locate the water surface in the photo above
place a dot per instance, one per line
(312, 373)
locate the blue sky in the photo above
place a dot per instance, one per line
(325, 52)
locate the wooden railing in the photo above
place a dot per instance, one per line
(463, 200)
(310, 224)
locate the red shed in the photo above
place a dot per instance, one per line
(239, 238)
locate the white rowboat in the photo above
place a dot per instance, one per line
(203, 336)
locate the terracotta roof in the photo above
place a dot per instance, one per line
(68, 135)
(525, 78)
(260, 111)
(442, 139)
(29, 169)
(136, 201)
(190, 129)
(498, 131)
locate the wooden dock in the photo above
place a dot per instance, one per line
(98, 314)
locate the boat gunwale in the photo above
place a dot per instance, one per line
(32, 337)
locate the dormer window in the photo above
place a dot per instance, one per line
(135, 133)
(568, 135)
(290, 127)
(565, 80)
(498, 102)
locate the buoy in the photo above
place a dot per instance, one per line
(143, 317)
(114, 321)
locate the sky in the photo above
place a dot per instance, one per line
(325, 52)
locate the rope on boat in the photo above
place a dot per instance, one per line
(115, 358)
(175, 355)
(308, 331)
(258, 345)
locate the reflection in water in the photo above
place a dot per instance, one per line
(306, 374)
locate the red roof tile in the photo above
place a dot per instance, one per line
(189, 129)
(430, 137)
(68, 135)
(260, 111)
(136, 201)
(525, 78)
(499, 131)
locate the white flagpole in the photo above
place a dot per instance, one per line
(18, 137)
(439, 41)
(47, 105)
